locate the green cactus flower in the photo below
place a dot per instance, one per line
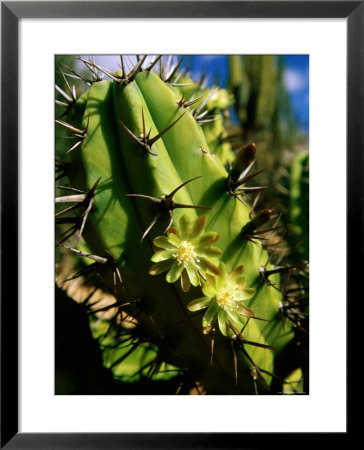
(186, 253)
(223, 297)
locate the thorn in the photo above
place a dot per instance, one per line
(101, 69)
(69, 99)
(74, 146)
(166, 205)
(174, 70)
(184, 104)
(77, 132)
(212, 345)
(68, 188)
(156, 217)
(144, 140)
(181, 186)
(122, 65)
(136, 69)
(170, 222)
(204, 103)
(159, 135)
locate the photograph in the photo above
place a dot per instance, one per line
(181, 224)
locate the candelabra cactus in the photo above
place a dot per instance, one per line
(174, 230)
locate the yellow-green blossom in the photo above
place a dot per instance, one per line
(186, 253)
(223, 299)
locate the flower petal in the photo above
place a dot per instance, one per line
(209, 315)
(184, 225)
(233, 315)
(222, 270)
(208, 238)
(163, 255)
(193, 274)
(198, 227)
(160, 267)
(221, 280)
(163, 242)
(209, 287)
(210, 251)
(173, 238)
(185, 282)
(199, 303)
(174, 272)
(207, 265)
(245, 311)
(243, 294)
(236, 273)
(223, 321)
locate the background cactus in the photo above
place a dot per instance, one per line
(149, 182)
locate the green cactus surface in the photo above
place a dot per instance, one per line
(152, 201)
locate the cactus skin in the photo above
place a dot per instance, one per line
(299, 204)
(253, 80)
(117, 223)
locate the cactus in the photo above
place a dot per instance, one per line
(169, 232)
(299, 204)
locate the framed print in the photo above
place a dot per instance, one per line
(185, 218)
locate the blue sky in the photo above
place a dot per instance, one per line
(297, 82)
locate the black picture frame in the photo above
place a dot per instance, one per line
(11, 13)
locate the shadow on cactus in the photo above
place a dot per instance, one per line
(162, 238)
